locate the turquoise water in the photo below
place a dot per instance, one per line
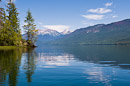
(66, 66)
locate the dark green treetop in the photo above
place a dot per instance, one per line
(30, 29)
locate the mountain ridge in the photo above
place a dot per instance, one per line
(113, 33)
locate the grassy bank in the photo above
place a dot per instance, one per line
(10, 47)
(13, 47)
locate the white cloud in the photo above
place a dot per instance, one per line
(59, 28)
(100, 10)
(114, 16)
(93, 17)
(108, 4)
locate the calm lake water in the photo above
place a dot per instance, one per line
(66, 66)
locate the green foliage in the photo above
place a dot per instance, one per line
(30, 29)
(15, 35)
(10, 32)
(4, 31)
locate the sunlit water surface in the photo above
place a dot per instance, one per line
(66, 66)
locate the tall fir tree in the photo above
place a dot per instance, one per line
(1, 9)
(30, 29)
(4, 32)
(4, 24)
(1, 23)
(15, 32)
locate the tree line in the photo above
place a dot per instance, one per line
(10, 32)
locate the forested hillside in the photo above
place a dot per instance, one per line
(114, 33)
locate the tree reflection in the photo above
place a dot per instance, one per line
(30, 64)
(10, 60)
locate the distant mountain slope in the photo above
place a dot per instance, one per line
(114, 33)
(46, 35)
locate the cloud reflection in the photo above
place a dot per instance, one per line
(99, 74)
(52, 60)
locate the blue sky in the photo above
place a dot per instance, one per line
(73, 14)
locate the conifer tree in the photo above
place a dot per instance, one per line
(30, 29)
(10, 33)
(0, 15)
(3, 27)
(4, 32)
(15, 32)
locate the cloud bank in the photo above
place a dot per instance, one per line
(59, 28)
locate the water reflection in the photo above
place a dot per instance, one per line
(10, 62)
(53, 59)
(69, 65)
(30, 63)
(9, 66)
(113, 55)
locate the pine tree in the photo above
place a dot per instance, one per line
(0, 18)
(4, 32)
(30, 29)
(1, 24)
(10, 33)
(15, 32)
(3, 27)
(1, 9)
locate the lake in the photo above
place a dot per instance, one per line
(75, 65)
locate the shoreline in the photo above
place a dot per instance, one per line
(86, 44)
(14, 47)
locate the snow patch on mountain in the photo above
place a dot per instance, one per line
(66, 31)
(52, 32)
(48, 32)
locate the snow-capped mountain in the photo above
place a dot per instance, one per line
(66, 31)
(49, 32)
(46, 35)
(53, 33)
